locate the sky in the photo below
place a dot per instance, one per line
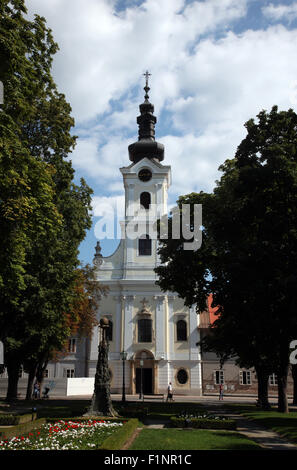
(214, 65)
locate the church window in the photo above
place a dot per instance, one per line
(145, 200)
(144, 245)
(109, 331)
(245, 377)
(144, 330)
(181, 330)
(182, 376)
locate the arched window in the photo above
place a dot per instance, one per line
(145, 246)
(181, 330)
(144, 330)
(109, 331)
(145, 200)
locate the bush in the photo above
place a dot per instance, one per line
(118, 439)
(21, 428)
(14, 420)
(203, 423)
(9, 420)
(133, 412)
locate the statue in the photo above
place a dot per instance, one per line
(101, 404)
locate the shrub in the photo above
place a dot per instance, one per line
(21, 428)
(14, 420)
(118, 439)
(203, 423)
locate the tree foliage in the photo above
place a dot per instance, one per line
(249, 251)
(45, 215)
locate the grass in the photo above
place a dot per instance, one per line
(194, 439)
(284, 424)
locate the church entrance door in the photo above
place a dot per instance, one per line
(147, 380)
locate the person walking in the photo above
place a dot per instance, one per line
(169, 392)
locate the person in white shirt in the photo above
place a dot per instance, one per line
(169, 392)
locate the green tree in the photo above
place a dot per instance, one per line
(249, 246)
(79, 320)
(27, 212)
(43, 123)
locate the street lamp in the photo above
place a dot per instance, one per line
(141, 381)
(123, 355)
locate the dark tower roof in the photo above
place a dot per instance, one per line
(146, 145)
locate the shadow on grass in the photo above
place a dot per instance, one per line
(193, 439)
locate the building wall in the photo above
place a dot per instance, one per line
(232, 383)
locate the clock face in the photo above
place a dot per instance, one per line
(145, 174)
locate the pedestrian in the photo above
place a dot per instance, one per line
(169, 392)
(221, 392)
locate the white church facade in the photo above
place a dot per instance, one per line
(155, 329)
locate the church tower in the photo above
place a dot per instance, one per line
(155, 329)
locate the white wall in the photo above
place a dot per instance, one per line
(80, 386)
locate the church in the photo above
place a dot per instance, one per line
(155, 330)
(152, 335)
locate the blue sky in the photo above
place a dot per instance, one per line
(214, 64)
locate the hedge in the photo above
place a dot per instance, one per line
(14, 420)
(86, 418)
(21, 429)
(203, 423)
(119, 437)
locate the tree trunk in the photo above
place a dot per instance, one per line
(41, 366)
(13, 369)
(282, 378)
(294, 376)
(262, 376)
(32, 373)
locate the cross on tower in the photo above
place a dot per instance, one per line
(146, 75)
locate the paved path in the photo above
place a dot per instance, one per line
(264, 437)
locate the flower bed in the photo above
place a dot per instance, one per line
(202, 421)
(64, 435)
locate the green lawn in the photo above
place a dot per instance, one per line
(194, 439)
(283, 423)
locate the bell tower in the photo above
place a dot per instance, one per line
(146, 183)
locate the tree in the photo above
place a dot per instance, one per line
(249, 246)
(79, 320)
(42, 124)
(27, 211)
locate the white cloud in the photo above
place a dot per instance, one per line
(102, 53)
(280, 12)
(207, 81)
